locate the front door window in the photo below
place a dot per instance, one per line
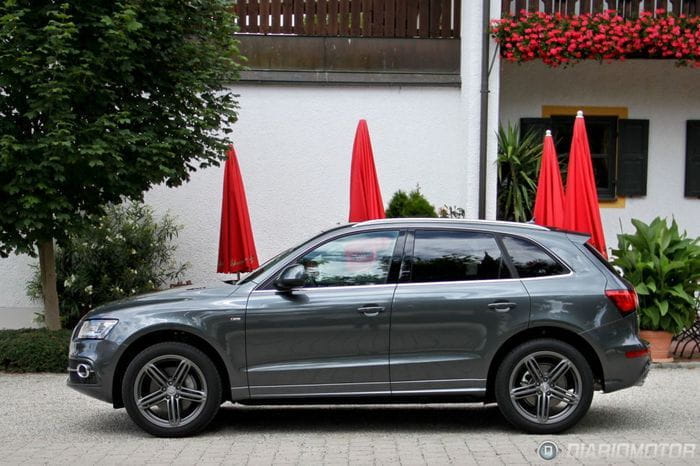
(361, 259)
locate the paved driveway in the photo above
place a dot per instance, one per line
(42, 421)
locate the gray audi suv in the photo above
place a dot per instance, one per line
(386, 311)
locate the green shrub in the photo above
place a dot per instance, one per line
(34, 350)
(413, 204)
(664, 267)
(518, 166)
(128, 253)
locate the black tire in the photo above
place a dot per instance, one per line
(191, 398)
(515, 372)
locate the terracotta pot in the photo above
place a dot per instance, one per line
(659, 344)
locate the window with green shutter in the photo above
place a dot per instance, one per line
(619, 150)
(633, 152)
(692, 159)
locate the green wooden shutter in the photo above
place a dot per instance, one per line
(692, 159)
(539, 125)
(633, 152)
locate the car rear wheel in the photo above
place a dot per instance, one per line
(172, 390)
(544, 386)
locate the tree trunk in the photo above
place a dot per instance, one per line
(47, 267)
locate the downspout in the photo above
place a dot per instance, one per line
(483, 122)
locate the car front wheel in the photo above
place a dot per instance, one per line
(544, 386)
(172, 389)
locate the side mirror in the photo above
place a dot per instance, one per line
(294, 276)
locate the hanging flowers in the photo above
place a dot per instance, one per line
(558, 39)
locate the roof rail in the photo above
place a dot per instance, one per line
(458, 221)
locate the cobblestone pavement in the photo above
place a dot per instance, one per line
(42, 421)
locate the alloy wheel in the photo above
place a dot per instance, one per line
(545, 387)
(170, 390)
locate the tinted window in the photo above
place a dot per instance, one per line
(530, 260)
(445, 256)
(362, 259)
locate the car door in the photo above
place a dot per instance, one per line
(454, 305)
(331, 336)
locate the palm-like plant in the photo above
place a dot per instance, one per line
(518, 163)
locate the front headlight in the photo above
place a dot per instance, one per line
(96, 329)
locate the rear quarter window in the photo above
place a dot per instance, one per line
(531, 260)
(602, 260)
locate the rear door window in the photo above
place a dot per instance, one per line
(447, 256)
(531, 260)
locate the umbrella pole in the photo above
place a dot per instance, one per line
(239, 276)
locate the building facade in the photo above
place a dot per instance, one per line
(417, 83)
(413, 70)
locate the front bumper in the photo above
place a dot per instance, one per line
(99, 357)
(613, 341)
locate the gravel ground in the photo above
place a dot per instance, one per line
(42, 421)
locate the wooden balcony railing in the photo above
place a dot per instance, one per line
(351, 18)
(627, 8)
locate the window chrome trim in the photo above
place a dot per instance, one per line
(314, 288)
(491, 280)
(437, 225)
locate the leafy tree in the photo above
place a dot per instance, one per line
(99, 101)
(413, 204)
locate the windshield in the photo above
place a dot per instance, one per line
(272, 262)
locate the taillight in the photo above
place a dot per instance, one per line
(637, 353)
(626, 301)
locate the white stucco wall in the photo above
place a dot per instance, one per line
(656, 90)
(294, 145)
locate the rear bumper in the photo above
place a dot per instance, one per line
(612, 342)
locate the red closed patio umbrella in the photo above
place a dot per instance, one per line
(581, 211)
(549, 200)
(236, 245)
(365, 196)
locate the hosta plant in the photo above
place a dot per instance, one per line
(663, 264)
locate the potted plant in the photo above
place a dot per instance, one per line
(664, 267)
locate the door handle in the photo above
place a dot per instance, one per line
(370, 311)
(502, 306)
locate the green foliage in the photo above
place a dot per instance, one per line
(449, 211)
(413, 204)
(664, 267)
(102, 99)
(518, 164)
(127, 253)
(34, 350)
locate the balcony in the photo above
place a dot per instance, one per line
(396, 42)
(565, 32)
(626, 8)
